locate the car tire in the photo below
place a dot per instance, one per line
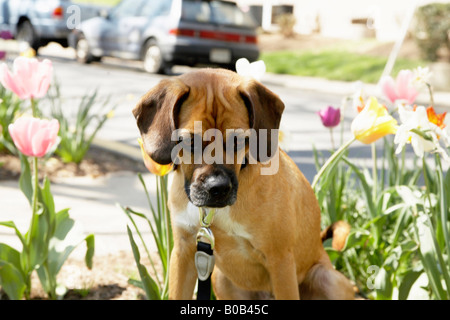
(83, 52)
(26, 33)
(153, 59)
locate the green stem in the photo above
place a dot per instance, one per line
(34, 202)
(374, 173)
(34, 207)
(33, 107)
(430, 91)
(166, 217)
(443, 205)
(333, 157)
(332, 139)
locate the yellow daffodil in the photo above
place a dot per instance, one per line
(152, 166)
(373, 123)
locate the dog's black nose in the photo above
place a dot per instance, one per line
(212, 186)
(218, 187)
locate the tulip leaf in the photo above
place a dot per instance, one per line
(428, 255)
(25, 181)
(90, 244)
(11, 280)
(38, 239)
(383, 285)
(12, 225)
(408, 281)
(150, 287)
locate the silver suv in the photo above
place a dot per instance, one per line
(38, 22)
(167, 32)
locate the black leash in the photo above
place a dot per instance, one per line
(204, 257)
(204, 286)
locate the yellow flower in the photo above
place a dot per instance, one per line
(152, 166)
(373, 123)
(29, 53)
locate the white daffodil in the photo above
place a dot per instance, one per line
(359, 96)
(254, 70)
(422, 76)
(417, 130)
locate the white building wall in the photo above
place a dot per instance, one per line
(334, 17)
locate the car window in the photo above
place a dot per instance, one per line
(126, 8)
(153, 8)
(214, 11)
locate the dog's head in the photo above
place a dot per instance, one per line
(204, 121)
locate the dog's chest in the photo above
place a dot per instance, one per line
(234, 249)
(189, 220)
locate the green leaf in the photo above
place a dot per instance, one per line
(332, 254)
(25, 181)
(383, 285)
(38, 248)
(408, 280)
(90, 244)
(68, 235)
(11, 224)
(10, 255)
(428, 256)
(11, 280)
(356, 238)
(150, 287)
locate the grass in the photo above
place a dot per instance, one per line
(100, 2)
(333, 64)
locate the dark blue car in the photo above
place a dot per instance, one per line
(163, 33)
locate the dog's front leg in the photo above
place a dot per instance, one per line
(183, 274)
(283, 276)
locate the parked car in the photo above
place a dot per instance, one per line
(38, 22)
(163, 33)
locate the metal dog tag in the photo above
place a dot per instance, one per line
(204, 264)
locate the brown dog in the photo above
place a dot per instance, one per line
(267, 227)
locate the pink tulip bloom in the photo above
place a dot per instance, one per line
(330, 116)
(2, 55)
(6, 35)
(401, 89)
(34, 137)
(30, 79)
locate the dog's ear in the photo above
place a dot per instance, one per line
(264, 111)
(156, 115)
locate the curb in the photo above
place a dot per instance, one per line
(119, 148)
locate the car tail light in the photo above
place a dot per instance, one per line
(251, 39)
(214, 35)
(182, 32)
(58, 12)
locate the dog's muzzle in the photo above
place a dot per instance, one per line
(217, 189)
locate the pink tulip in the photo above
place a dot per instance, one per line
(6, 35)
(34, 137)
(401, 89)
(330, 116)
(30, 79)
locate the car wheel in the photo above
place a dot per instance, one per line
(83, 52)
(26, 33)
(153, 60)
